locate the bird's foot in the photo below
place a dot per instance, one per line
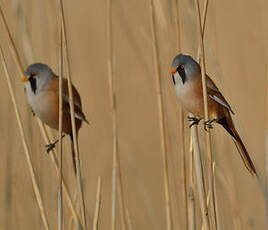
(193, 121)
(208, 124)
(50, 146)
(33, 112)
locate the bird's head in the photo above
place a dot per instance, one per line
(184, 68)
(37, 76)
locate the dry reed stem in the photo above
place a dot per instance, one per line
(114, 181)
(192, 161)
(177, 25)
(199, 177)
(208, 135)
(41, 125)
(28, 52)
(129, 223)
(60, 204)
(113, 109)
(11, 42)
(71, 223)
(97, 207)
(191, 195)
(25, 146)
(191, 210)
(181, 125)
(204, 19)
(266, 155)
(116, 177)
(161, 118)
(71, 102)
(215, 189)
(183, 164)
(230, 188)
(121, 196)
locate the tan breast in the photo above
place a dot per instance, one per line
(190, 95)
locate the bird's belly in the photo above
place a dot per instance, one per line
(45, 108)
(193, 102)
(190, 100)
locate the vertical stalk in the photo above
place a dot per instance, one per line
(191, 194)
(97, 207)
(161, 119)
(60, 203)
(199, 178)
(208, 135)
(113, 109)
(181, 125)
(116, 176)
(25, 146)
(74, 131)
(266, 152)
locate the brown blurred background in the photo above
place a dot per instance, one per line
(236, 59)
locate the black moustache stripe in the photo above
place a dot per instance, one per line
(33, 84)
(182, 74)
(173, 79)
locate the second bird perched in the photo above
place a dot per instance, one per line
(42, 88)
(187, 80)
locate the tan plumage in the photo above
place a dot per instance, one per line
(42, 88)
(53, 95)
(186, 75)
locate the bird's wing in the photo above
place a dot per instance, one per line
(78, 113)
(215, 94)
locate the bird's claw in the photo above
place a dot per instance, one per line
(50, 147)
(193, 121)
(33, 112)
(208, 124)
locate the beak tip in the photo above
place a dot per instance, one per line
(173, 71)
(24, 79)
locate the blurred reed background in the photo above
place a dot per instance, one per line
(236, 59)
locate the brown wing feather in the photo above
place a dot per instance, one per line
(65, 94)
(215, 94)
(79, 115)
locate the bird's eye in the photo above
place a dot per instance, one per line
(181, 72)
(32, 75)
(180, 68)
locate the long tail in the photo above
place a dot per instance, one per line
(229, 127)
(73, 153)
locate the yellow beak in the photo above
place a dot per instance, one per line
(24, 79)
(173, 71)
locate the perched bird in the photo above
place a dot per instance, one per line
(42, 89)
(187, 80)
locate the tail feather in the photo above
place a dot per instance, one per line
(239, 144)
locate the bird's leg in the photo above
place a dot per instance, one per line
(208, 124)
(52, 145)
(193, 121)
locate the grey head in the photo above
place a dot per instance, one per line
(186, 67)
(38, 76)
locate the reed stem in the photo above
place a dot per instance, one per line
(163, 140)
(199, 178)
(97, 206)
(181, 131)
(74, 131)
(25, 146)
(60, 203)
(204, 86)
